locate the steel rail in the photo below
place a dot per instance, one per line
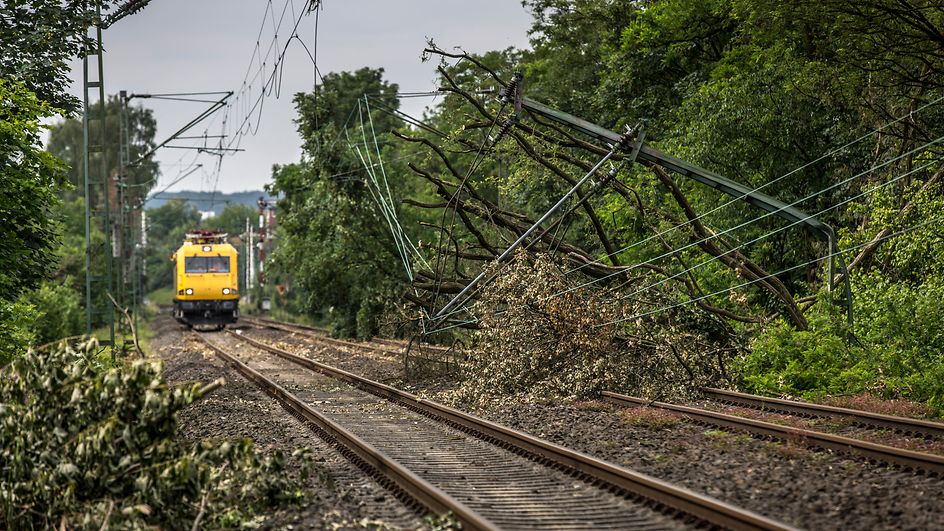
(414, 486)
(807, 409)
(907, 458)
(318, 333)
(704, 508)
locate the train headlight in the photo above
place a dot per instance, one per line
(189, 291)
(226, 291)
(207, 248)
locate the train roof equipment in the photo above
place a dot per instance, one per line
(205, 237)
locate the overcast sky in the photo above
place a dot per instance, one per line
(207, 45)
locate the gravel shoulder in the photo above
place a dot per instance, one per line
(805, 488)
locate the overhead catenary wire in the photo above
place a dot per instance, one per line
(736, 199)
(781, 229)
(732, 288)
(717, 235)
(270, 83)
(771, 275)
(398, 242)
(405, 239)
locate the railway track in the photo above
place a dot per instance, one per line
(806, 409)
(499, 477)
(375, 345)
(916, 461)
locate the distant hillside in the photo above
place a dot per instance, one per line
(207, 201)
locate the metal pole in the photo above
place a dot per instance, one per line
(96, 185)
(514, 246)
(249, 259)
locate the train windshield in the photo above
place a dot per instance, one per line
(207, 264)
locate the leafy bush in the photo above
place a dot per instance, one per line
(85, 446)
(58, 312)
(531, 341)
(15, 332)
(897, 349)
(542, 333)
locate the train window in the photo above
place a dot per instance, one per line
(217, 264)
(206, 264)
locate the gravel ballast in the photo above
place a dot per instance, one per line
(338, 495)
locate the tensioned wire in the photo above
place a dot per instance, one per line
(387, 210)
(775, 231)
(344, 128)
(393, 213)
(765, 215)
(404, 244)
(761, 187)
(744, 284)
(778, 230)
(771, 275)
(368, 165)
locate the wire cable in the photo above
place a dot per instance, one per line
(781, 229)
(771, 275)
(763, 186)
(754, 220)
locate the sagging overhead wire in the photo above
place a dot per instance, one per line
(717, 235)
(640, 315)
(772, 275)
(624, 270)
(736, 199)
(895, 179)
(781, 229)
(271, 81)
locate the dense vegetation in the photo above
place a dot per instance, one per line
(87, 446)
(835, 100)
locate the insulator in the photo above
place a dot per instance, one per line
(503, 130)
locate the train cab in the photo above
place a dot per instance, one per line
(206, 280)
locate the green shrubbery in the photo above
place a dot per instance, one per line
(15, 318)
(897, 349)
(82, 446)
(59, 312)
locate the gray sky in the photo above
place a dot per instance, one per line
(206, 45)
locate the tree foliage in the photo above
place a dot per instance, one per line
(65, 141)
(38, 40)
(83, 446)
(754, 90)
(29, 179)
(334, 246)
(800, 99)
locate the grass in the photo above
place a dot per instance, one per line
(874, 404)
(161, 297)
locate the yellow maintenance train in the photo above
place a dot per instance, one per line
(206, 281)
